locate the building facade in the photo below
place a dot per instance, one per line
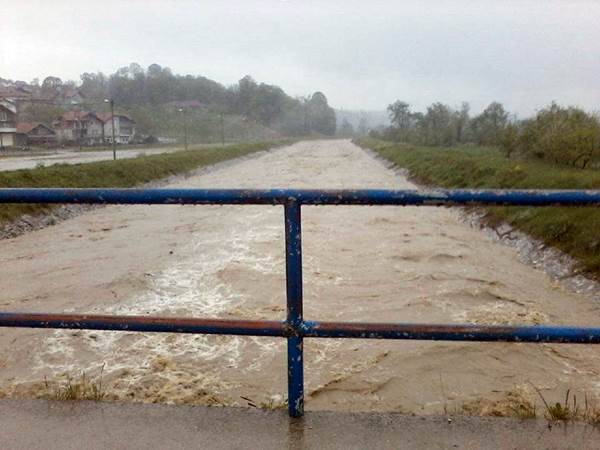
(35, 133)
(79, 127)
(124, 128)
(8, 124)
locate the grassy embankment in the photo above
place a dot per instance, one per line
(121, 173)
(575, 231)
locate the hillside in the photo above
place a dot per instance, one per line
(163, 103)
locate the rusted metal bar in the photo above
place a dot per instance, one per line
(302, 196)
(310, 329)
(145, 323)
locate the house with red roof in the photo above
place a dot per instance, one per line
(35, 133)
(79, 127)
(15, 93)
(71, 96)
(124, 127)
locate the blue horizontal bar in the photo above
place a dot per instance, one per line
(456, 332)
(301, 196)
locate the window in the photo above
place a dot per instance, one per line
(3, 116)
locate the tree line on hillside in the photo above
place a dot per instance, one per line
(151, 91)
(562, 135)
(266, 104)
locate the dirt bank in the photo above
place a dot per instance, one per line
(360, 263)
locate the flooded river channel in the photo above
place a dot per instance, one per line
(392, 264)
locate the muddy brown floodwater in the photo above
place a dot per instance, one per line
(404, 264)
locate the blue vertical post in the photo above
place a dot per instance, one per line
(293, 272)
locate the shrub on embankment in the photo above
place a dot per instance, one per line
(562, 135)
(122, 173)
(575, 231)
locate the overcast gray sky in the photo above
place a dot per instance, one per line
(362, 54)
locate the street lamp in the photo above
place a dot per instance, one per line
(185, 140)
(112, 120)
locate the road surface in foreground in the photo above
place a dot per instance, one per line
(47, 425)
(403, 264)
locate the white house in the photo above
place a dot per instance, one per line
(124, 128)
(8, 124)
(80, 127)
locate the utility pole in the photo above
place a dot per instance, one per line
(112, 122)
(222, 130)
(185, 139)
(79, 133)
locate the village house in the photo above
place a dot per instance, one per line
(35, 133)
(124, 128)
(15, 94)
(79, 127)
(75, 127)
(71, 96)
(63, 96)
(8, 124)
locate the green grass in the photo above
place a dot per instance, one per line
(123, 173)
(81, 388)
(575, 231)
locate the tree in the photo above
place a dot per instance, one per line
(562, 135)
(246, 91)
(403, 121)
(438, 125)
(321, 116)
(154, 71)
(267, 103)
(462, 121)
(488, 127)
(292, 121)
(346, 129)
(51, 84)
(94, 85)
(399, 113)
(509, 142)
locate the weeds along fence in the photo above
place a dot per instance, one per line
(295, 328)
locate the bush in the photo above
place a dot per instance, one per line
(568, 136)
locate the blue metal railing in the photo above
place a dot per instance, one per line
(295, 328)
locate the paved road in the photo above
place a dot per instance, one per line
(75, 157)
(48, 425)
